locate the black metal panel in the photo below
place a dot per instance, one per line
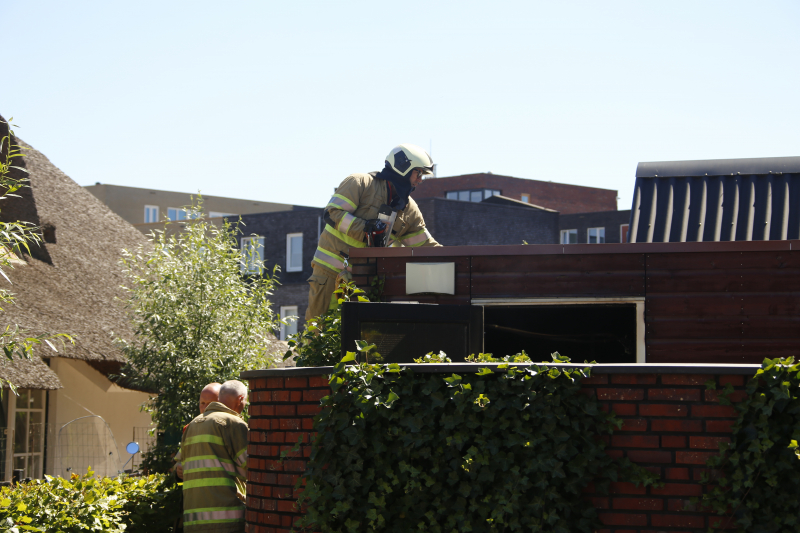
(717, 207)
(718, 167)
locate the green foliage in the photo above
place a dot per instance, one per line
(320, 342)
(758, 473)
(15, 238)
(196, 318)
(87, 503)
(431, 357)
(483, 452)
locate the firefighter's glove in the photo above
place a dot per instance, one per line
(375, 231)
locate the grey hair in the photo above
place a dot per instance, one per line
(232, 389)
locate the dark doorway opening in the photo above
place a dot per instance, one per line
(605, 333)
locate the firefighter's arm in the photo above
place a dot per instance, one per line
(343, 204)
(416, 234)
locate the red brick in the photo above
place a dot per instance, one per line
(257, 383)
(677, 395)
(623, 487)
(634, 424)
(683, 426)
(285, 410)
(620, 394)
(308, 423)
(736, 381)
(314, 395)
(283, 493)
(273, 465)
(286, 521)
(634, 441)
(678, 489)
(295, 437)
(676, 473)
(681, 505)
(600, 503)
(290, 423)
(280, 396)
(275, 436)
(713, 411)
(267, 410)
(287, 479)
(263, 396)
(269, 505)
(615, 454)
(735, 397)
(649, 456)
(638, 504)
(287, 506)
(673, 441)
(620, 519)
(624, 409)
(719, 426)
(684, 379)
(296, 383)
(596, 379)
(307, 410)
(259, 423)
(274, 383)
(708, 443)
(692, 458)
(296, 396)
(633, 379)
(294, 466)
(255, 436)
(269, 518)
(318, 382)
(275, 423)
(677, 520)
(663, 410)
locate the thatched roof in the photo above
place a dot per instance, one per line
(71, 282)
(28, 374)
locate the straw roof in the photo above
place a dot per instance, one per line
(70, 283)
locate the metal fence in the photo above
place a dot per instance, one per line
(143, 437)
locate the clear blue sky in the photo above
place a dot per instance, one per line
(279, 101)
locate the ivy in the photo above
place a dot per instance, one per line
(757, 475)
(489, 451)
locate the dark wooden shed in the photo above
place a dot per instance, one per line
(702, 302)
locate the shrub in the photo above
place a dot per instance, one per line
(757, 479)
(88, 503)
(482, 452)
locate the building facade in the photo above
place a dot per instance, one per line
(561, 197)
(594, 228)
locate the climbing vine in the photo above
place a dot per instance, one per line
(757, 475)
(501, 449)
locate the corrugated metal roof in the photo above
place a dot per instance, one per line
(717, 200)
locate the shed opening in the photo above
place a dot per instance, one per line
(605, 333)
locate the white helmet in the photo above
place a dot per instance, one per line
(406, 157)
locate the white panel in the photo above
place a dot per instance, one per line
(439, 278)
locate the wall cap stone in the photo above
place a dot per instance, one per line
(447, 368)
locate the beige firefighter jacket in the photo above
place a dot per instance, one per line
(356, 200)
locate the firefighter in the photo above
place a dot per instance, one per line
(352, 214)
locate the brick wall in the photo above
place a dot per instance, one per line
(671, 425)
(559, 196)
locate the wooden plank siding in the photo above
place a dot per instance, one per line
(704, 302)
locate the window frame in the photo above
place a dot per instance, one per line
(11, 452)
(623, 233)
(246, 268)
(573, 231)
(287, 310)
(147, 209)
(600, 229)
(293, 268)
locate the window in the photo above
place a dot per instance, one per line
(215, 214)
(597, 235)
(252, 254)
(623, 233)
(150, 213)
(29, 430)
(525, 198)
(569, 236)
(291, 327)
(294, 252)
(472, 196)
(174, 213)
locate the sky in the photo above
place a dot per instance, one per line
(280, 101)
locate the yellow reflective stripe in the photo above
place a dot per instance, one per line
(329, 259)
(417, 238)
(338, 201)
(209, 482)
(213, 439)
(345, 223)
(345, 238)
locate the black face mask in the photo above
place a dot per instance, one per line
(402, 186)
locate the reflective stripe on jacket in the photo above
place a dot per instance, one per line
(214, 458)
(356, 200)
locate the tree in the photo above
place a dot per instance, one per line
(201, 313)
(15, 238)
